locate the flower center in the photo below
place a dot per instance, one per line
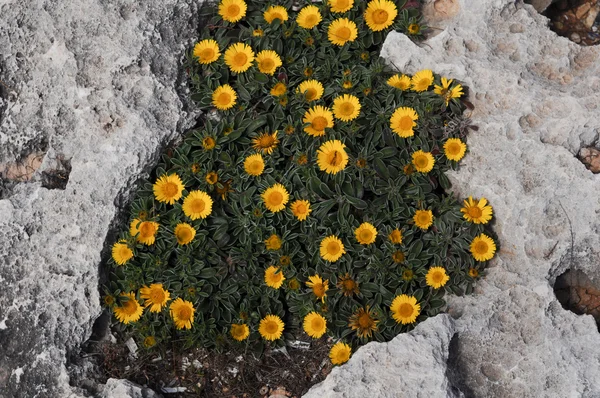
(423, 218)
(240, 59)
(348, 285)
(319, 290)
(474, 212)
(453, 149)
(276, 15)
(421, 161)
(271, 327)
(184, 235)
(333, 248)
(406, 123)
(317, 323)
(310, 94)
(347, 109)
(343, 33)
(207, 53)
(335, 158)
(255, 166)
(481, 247)
(398, 256)
(380, 16)
(233, 10)
(198, 206)
(266, 141)
(277, 276)
(157, 296)
(170, 189)
(275, 198)
(301, 208)
(319, 123)
(267, 64)
(184, 313)
(224, 99)
(129, 307)
(365, 321)
(342, 4)
(424, 83)
(146, 229)
(366, 235)
(407, 275)
(311, 20)
(437, 277)
(405, 310)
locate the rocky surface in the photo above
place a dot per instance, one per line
(115, 388)
(93, 88)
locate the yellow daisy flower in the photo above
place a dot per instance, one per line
(209, 143)
(455, 149)
(149, 341)
(239, 331)
(414, 29)
(332, 248)
(145, 231)
(403, 121)
(399, 82)
(405, 309)
(340, 353)
(312, 89)
(258, 32)
(232, 10)
(423, 161)
(340, 5)
(301, 209)
(483, 248)
(121, 253)
(212, 178)
(275, 12)
(266, 143)
(331, 157)
(309, 17)
(254, 164)
(207, 51)
(423, 219)
(342, 31)
(347, 285)
(268, 61)
(318, 286)
(239, 57)
(182, 312)
(396, 237)
(197, 204)
(155, 296)
(346, 107)
(273, 242)
(319, 118)
(422, 80)
(446, 92)
(473, 272)
(168, 189)
(364, 321)
(314, 325)
(436, 277)
(130, 310)
(279, 89)
(275, 198)
(224, 97)
(477, 212)
(398, 256)
(365, 233)
(271, 327)
(274, 277)
(184, 233)
(380, 14)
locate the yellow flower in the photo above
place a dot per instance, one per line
(340, 5)
(301, 209)
(184, 233)
(130, 310)
(156, 297)
(279, 89)
(331, 157)
(477, 212)
(275, 12)
(273, 242)
(271, 327)
(342, 31)
(182, 312)
(423, 219)
(473, 272)
(319, 118)
(145, 231)
(347, 285)
(405, 309)
(212, 178)
(149, 341)
(364, 321)
(446, 92)
(283, 101)
(403, 120)
(302, 159)
(109, 300)
(414, 29)
(275, 198)
(232, 10)
(422, 80)
(207, 51)
(274, 277)
(208, 143)
(436, 277)
(266, 142)
(399, 82)
(483, 248)
(268, 61)
(284, 261)
(365, 233)
(293, 284)
(318, 286)
(408, 275)
(309, 17)
(168, 189)
(340, 353)
(332, 248)
(239, 57)
(121, 253)
(423, 161)
(455, 149)
(224, 97)
(347, 84)
(396, 237)
(258, 32)
(254, 164)
(361, 163)
(380, 14)
(314, 325)
(239, 331)
(346, 107)
(308, 71)
(398, 256)
(312, 89)
(197, 205)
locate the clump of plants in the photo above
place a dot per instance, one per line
(312, 198)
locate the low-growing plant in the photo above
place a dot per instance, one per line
(313, 196)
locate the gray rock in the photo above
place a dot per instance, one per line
(412, 365)
(100, 84)
(118, 388)
(540, 5)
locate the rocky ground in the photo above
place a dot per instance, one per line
(90, 95)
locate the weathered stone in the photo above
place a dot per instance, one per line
(117, 388)
(539, 5)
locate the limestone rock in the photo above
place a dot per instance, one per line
(411, 365)
(117, 388)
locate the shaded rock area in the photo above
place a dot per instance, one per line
(576, 19)
(91, 93)
(578, 293)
